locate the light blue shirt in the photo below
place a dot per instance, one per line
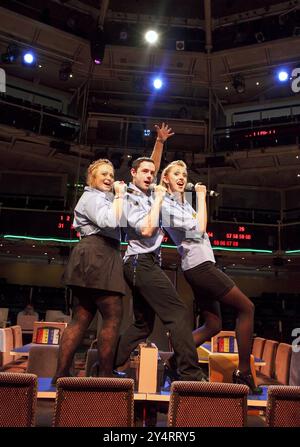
(93, 214)
(180, 221)
(136, 207)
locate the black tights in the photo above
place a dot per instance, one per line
(111, 310)
(244, 324)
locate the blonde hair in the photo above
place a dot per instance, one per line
(168, 168)
(92, 170)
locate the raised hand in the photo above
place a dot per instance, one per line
(159, 191)
(119, 188)
(199, 187)
(164, 132)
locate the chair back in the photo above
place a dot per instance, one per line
(42, 360)
(257, 349)
(94, 402)
(3, 316)
(283, 406)
(6, 346)
(294, 379)
(283, 363)
(91, 359)
(17, 336)
(26, 322)
(205, 404)
(57, 316)
(268, 356)
(18, 392)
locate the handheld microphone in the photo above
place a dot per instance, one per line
(209, 192)
(132, 191)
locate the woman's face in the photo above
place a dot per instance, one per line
(176, 179)
(104, 178)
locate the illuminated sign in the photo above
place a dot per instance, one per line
(260, 133)
(59, 225)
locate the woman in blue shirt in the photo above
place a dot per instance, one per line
(94, 271)
(209, 284)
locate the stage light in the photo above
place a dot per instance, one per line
(11, 54)
(157, 83)
(180, 45)
(283, 75)
(97, 46)
(29, 58)
(65, 71)
(151, 36)
(260, 38)
(239, 83)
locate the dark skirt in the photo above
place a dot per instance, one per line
(208, 282)
(96, 263)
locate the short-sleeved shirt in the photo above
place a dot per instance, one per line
(94, 214)
(136, 207)
(181, 223)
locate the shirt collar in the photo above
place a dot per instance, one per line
(176, 198)
(107, 195)
(132, 186)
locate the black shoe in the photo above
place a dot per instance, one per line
(246, 379)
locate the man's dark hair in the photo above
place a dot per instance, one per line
(136, 163)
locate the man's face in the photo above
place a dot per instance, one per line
(143, 176)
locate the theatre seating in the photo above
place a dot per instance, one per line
(281, 372)
(94, 402)
(221, 367)
(283, 406)
(205, 404)
(17, 399)
(26, 322)
(58, 316)
(6, 346)
(257, 349)
(19, 361)
(3, 316)
(91, 359)
(268, 355)
(295, 369)
(17, 336)
(42, 360)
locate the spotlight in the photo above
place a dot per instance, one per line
(260, 38)
(151, 36)
(97, 46)
(123, 35)
(65, 71)
(11, 54)
(283, 75)
(239, 83)
(29, 58)
(157, 83)
(180, 45)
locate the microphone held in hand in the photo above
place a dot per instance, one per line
(209, 192)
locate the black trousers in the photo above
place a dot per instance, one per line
(153, 293)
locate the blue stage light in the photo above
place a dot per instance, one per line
(283, 75)
(157, 83)
(29, 58)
